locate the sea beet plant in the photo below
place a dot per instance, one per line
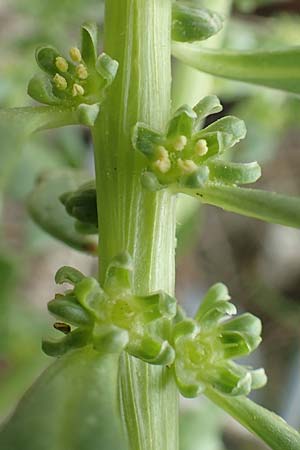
(126, 347)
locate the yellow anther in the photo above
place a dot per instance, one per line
(162, 152)
(163, 163)
(60, 82)
(77, 90)
(187, 165)
(61, 64)
(75, 54)
(201, 147)
(81, 72)
(179, 143)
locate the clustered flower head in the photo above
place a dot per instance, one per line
(153, 328)
(205, 346)
(112, 318)
(186, 156)
(79, 81)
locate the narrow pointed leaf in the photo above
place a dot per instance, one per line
(272, 429)
(263, 205)
(278, 69)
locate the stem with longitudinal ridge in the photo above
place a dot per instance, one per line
(137, 34)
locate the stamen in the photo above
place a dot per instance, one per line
(61, 64)
(75, 54)
(60, 82)
(77, 90)
(201, 147)
(179, 143)
(81, 72)
(187, 165)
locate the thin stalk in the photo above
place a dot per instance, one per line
(137, 34)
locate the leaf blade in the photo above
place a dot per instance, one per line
(256, 203)
(77, 396)
(272, 429)
(277, 69)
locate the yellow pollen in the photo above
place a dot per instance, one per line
(61, 64)
(162, 152)
(179, 143)
(163, 163)
(60, 82)
(201, 147)
(75, 54)
(81, 72)
(77, 90)
(187, 165)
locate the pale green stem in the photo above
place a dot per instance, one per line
(137, 34)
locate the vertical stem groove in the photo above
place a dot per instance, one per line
(137, 34)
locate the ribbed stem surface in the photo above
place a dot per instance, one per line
(137, 34)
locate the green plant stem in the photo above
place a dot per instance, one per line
(137, 34)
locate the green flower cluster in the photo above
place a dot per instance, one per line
(112, 318)
(206, 345)
(186, 156)
(79, 82)
(153, 328)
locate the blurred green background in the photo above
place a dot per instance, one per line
(259, 262)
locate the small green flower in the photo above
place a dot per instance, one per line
(112, 318)
(80, 82)
(206, 345)
(186, 156)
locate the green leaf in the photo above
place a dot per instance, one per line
(82, 203)
(182, 122)
(40, 89)
(278, 68)
(87, 114)
(118, 276)
(89, 43)
(73, 405)
(190, 24)
(215, 306)
(229, 125)
(206, 106)
(45, 57)
(68, 311)
(263, 205)
(233, 173)
(109, 339)
(230, 378)
(29, 119)
(144, 138)
(150, 182)
(197, 179)
(69, 275)
(76, 339)
(107, 67)
(272, 429)
(48, 212)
